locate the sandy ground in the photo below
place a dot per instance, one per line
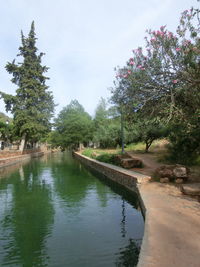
(150, 161)
(172, 227)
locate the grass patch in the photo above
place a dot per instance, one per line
(108, 158)
(89, 152)
(197, 162)
(136, 146)
(103, 155)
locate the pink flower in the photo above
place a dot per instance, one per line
(178, 49)
(170, 34)
(139, 66)
(153, 39)
(159, 33)
(175, 81)
(129, 72)
(187, 42)
(131, 62)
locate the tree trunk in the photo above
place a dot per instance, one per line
(147, 148)
(23, 143)
(148, 144)
(122, 131)
(35, 145)
(172, 105)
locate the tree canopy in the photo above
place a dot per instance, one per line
(32, 106)
(162, 83)
(72, 127)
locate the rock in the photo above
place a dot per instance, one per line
(129, 163)
(173, 172)
(164, 180)
(180, 172)
(164, 171)
(179, 181)
(191, 189)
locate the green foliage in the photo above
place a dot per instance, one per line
(162, 83)
(108, 158)
(32, 106)
(4, 118)
(89, 152)
(73, 126)
(139, 146)
(101, 155)
(150, 130)
(55, 139)
(6, 132)
(108, 136)
(107, 126)
(101, 113)
(6, 128)
(185, 142)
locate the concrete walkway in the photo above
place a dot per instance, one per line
(172, 227)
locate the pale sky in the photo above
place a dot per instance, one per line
(84, 40)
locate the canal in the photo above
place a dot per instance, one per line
(55, 212)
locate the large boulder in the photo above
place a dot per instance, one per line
(180, 171)
(164, 180)
(129, 163)
(173, 172)
(164, 171)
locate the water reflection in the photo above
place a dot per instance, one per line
(123, 221)
(27, 222)
(54, 212)
(128, 256)
(70, 183)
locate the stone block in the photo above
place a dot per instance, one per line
(131, 163)
(172, 172)
(179, 181)
(180, 172)
(164, 180)
(191, 189)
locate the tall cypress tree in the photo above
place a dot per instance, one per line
(33, 104)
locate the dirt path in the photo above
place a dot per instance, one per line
(172, 228)
(150, 161)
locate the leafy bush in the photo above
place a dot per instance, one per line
(107, 158)
(88, 153)
(185, 143)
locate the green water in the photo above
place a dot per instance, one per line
(55, 212)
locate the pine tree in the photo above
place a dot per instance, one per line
(33, 104)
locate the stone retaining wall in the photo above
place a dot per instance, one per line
(15, 159)
(128, 179)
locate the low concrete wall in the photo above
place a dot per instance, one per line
(13, 160)
(128, 179)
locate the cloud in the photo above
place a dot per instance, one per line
(83, 40)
